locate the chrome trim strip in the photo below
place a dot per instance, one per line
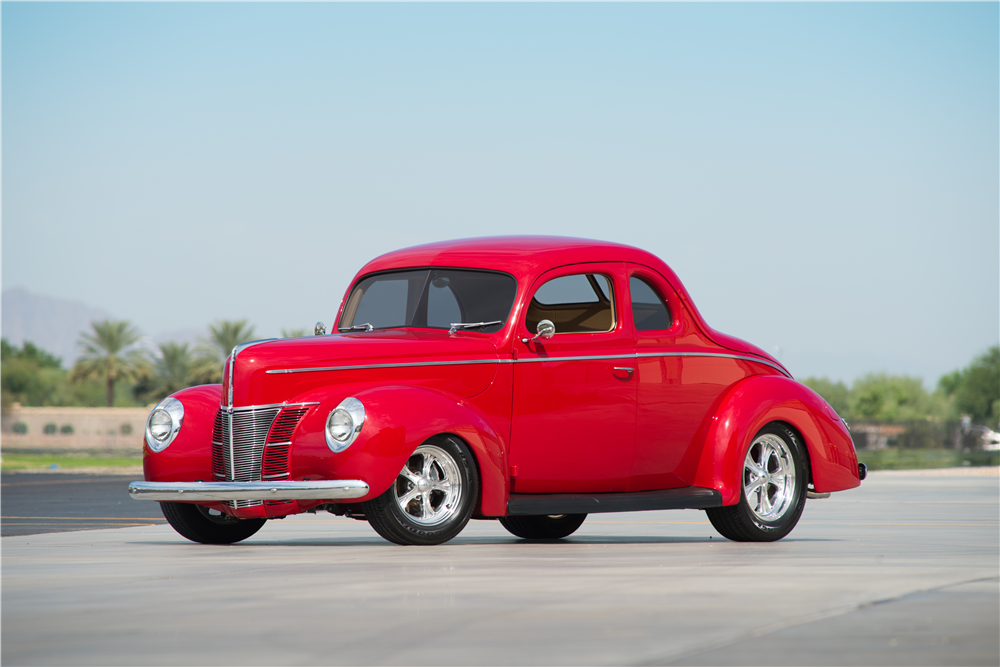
(412, 364)
(722, 355)
(244, 408)
(593, 357)
(313, 490)
(232, 361)
(228, 416)
(590, 357)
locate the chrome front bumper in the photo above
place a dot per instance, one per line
(336, 489)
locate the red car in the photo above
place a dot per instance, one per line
(532, 380)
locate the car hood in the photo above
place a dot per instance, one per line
(276, 371)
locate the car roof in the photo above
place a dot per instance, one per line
(521, 256)
(526, 257)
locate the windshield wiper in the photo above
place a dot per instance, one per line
(455, 326)
(357, 327)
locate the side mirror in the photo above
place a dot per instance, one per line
(545, 329)
(320, 329)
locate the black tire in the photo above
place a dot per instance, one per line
(772, 507)
(554, 527)
(418, 508)
(197, 524)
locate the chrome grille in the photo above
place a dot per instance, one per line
(261, 443)
(284, 425)
(242, 460)
(279, 443)
(218, 462)
(275, 462)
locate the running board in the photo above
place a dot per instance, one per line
(691, 497)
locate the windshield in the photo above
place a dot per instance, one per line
(431, 299)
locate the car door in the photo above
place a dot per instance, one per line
(573, 421)
(679, 377)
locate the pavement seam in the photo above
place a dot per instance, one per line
(800, 620)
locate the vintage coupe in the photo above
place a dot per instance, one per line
(531, 380)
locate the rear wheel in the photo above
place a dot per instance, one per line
(432, 498)
(200, 524)
(551, 527)
(773, 492)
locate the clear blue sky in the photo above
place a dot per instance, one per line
(823, 177)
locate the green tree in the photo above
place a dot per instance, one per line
(172, 370)
(835, 393)
(893, 398)
(976, 388)
(294, 333)
(223, 336)
(29, 376)
(109, 354)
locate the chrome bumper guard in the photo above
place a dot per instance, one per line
(336, 489)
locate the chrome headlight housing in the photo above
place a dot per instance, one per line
(344, 424)
(164, 423)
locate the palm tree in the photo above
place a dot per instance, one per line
(173, 368)
(224, 335)
(109, 353)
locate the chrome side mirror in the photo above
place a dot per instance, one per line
(320, 329)
(545, 329)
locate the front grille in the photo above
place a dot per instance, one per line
(275, 462)
(261, 443)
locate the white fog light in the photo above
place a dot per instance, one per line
(344, 424)
(164, 423)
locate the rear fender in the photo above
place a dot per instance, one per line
(397, 420)
(757, 401)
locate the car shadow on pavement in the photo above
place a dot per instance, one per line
(257, 542)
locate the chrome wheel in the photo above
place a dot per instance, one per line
(429, 487)
(769, 477)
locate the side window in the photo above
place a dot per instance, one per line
(649, 311)
(580, 303)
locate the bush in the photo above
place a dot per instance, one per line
(67, 429)
(126, 429)
(20, 428)
(50, 429)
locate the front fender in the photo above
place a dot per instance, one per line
(189, 456)
(757, 401)
(397, 420)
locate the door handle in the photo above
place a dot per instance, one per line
(627, 369)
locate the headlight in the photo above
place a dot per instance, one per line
(344, 424)
(164, 423)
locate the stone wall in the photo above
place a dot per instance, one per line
(74, 428)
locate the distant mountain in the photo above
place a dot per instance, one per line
(52, 324)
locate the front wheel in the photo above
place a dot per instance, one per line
(432, 498)
(201, 524)
(552, 527)
(773, 492)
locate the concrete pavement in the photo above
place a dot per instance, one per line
(903, 570)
